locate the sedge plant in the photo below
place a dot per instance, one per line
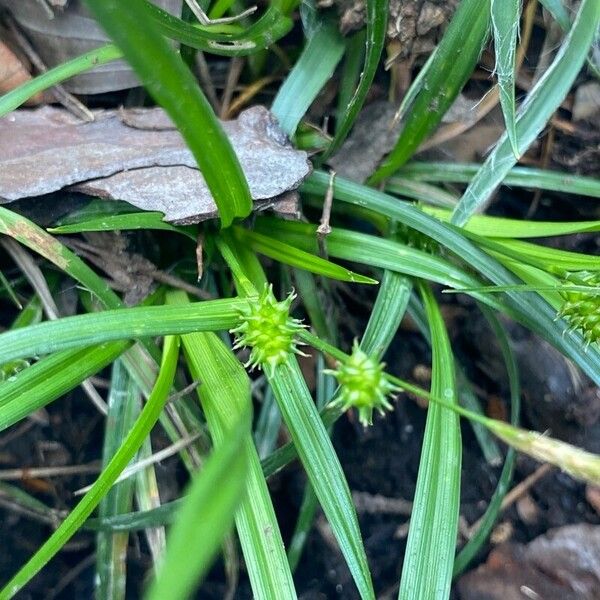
(404, 233)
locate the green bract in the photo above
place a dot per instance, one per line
(581, 309)
(362, 385)
(267, 328)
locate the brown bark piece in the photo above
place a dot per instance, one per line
(143, 161)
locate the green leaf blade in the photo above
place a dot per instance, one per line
(501, 227)
(388, 312)
(429, 558)
(295, 257)
(173, 86)
(85, 62)
(442, 78)
(224, 395)
(527, 177)
(505, 28)
(313, 69)
(322, 467)
(109, 475)
(204, 518)
(377, 18)
(528, 309)
(50, 378)
(120, 324)
(470, 549)
(536, 110)
(124, 403)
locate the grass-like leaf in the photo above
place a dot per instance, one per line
(429, 557)
(85, 62)
(505, 28)
(311, 440)
(130, 323)
(312, 71)
(51, 377)
(376, 18)
(475, 543)
(312, 298)
(350, 71)
(517, 176)
(119, 461)
(373, 251)
(29, 234)
(388, 311)
(441, 81)
(112, 222)
(124, 403)
(558, 10)
(561, 15)
(295, 257)
(322, 467)
(419, 190)
(534, 113)
(543, 257)
(529, 309)
(204, 517)
(225, 395)
(326, 386)
(500, 227)
(274, 24)
(466, 394)
(173, 86)
(135, 521)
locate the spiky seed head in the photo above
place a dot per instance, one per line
(582, 309)
(362, 385)
(268, 330)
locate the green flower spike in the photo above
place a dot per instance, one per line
(362, 385)
(267, 328)
(582, 309)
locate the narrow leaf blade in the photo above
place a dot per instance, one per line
(505, 28)
(173, 86)
(204, 518)
(322, 467)
(536, 110)
(427, 568)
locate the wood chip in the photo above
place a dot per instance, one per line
(140, 159)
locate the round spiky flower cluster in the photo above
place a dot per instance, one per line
(362, 385)
(268, 330)
(582, 309)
